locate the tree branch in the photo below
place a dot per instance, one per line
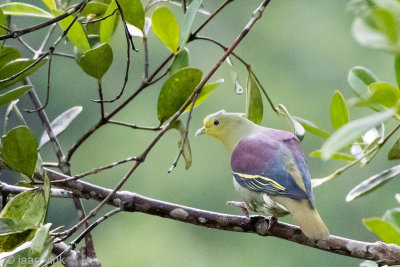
(382, 253)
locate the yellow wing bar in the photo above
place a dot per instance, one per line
(254, 176)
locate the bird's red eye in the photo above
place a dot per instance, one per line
(216, 122)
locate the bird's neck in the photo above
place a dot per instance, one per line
(238, 134)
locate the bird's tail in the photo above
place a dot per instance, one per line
(306, 217)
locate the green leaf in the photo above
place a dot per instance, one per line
(298, 129)
(3, 22)
(360, 78)
(188, 21)
(28, 207)
(205, 93)
(181, 60)
(394, 152)
(13, 94)
(9, 226)
(107, 26)
(94, 7)
(372, 183)
(22, 9)
(19, 150)
(377, 30)
(254, 104)
(351, 131)
(51, 4)
(8, 54)
(384, 230)
(383, 94)
(166, 28)
(175, 92)
(393, 217)
(312, 127)
(397, 69)
(76, 34)
(337, 156)
(339, 111)
(133, 12)
(40, 239)
(391, 5)
(97, 61)
(16, 66)
(61, 123)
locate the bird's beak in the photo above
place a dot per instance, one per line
(200, 131)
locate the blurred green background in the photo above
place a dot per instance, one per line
(301, 51)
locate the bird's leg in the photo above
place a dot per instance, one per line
(271, 222)
(241, 205)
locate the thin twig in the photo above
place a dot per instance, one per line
(101, 99)
(146, 57)
(100, 19)
(184, 6)
(26, 45)
(82, 235)
(129, 42)
(18, 33)
(97, 170)
(390, 135)
(115, 111)
(46, 39)
(255, 17)
(134, 126)
(210, 18)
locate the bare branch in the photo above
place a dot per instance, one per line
(385, 254)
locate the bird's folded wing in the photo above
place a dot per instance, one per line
(266, 165)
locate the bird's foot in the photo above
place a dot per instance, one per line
(241, 205)
(271, 222)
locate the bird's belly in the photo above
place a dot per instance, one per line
(260, 202)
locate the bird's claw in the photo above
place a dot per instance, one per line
(271, 222)
(241, 205)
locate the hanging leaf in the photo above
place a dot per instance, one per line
(186, 152)
(391, 5)
(181, 60)
(16, 66)
(377, 30)
(97, 61)
(359, 79)
(166, 28)
(61, 123)
(339, 111)
(3, 22)
(372, 183)
(76, 34)
(238, 86)
(11, 95)
(133, 12)
(312, 128)
(175, 92)
(254, 104)
(108, 25)
(19, 150)
(337, 156)
(351, 131)
(298, 129)
(22, 9)
(205, 92)
(386, 232)
(188, 21)
(394, 152)
(8, 54)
